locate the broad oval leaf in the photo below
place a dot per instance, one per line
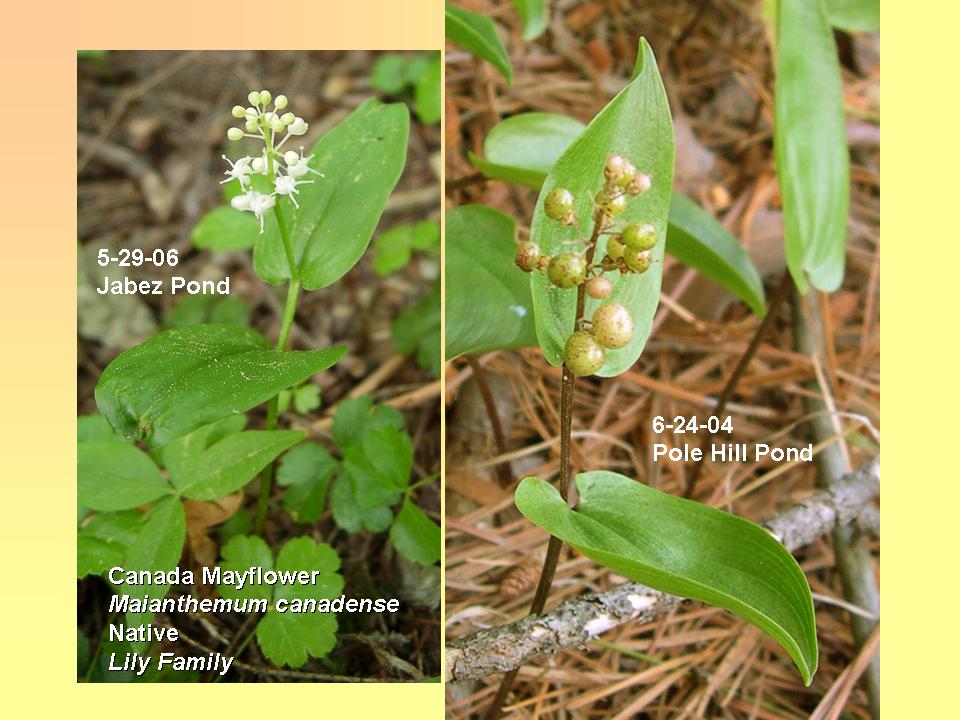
(854, 15)
(488, 304)
(810, 145)
(116, 476)
(523, 148)
(183, 378)
(478, 34)
(696, 239)
(534, 15)
(224, 228)
(637, 125)
(684, 548)
(361, 159)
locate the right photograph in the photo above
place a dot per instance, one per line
(662, 344)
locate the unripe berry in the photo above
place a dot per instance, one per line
(614, 168)
(612, 326)
(637, 260)
(567, 270)
(640, 236)
(629, 172)
(615, 248)
(583, 354)
(528, 256)
(611, 205)
(599, 287)
(640, 184)
(558, 203)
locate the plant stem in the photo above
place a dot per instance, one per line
(567, 387)
(779, 295)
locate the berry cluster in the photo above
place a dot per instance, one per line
(629, 250)
(285, 168)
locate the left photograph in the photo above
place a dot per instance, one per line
(258, 410)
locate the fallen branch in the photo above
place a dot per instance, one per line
(576, 622)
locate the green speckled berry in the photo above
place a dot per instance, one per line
(615, 248)
(640, 184)
(583, 355)
(558, 203)
(567, 270)
(599, 287)
(629, 172)
(639, 236)
(528, 256)
(612, 326)
(637, 260)
(614, 168)
(611, 205)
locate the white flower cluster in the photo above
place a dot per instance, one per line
(285, 168)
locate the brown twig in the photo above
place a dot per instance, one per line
(503, 469)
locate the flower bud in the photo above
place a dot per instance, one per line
(254, 97)
(298, 127)
(259, 165)
(291, 157)
(558, 204)
(265, 96)
(281, 102)
(240, 202)
(235, 133)
(582, 354)
(612, 326)
(239, 111)
(288, 118)
(252, 126)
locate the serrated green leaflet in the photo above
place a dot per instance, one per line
(116, 476)
(523, 148)
(288, 638)
(418, 328)
(534, 16)
(304, 474)
(478, 34)
(810, 144)
(854, 15)
(357, 416)
(637, 125)
(684, 548)
(696, 239)
(416, 536)
(361, 159)
(187, 377)
(103, 542)
(488, 303)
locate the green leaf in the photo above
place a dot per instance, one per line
(854, 15)
(95, 428)
(534, 14)
(201, 309)
(117, 476)
(224, 228)
(478, 35)
(379, 468)
(389, 74)
(350, 516)
(488, 302)
(305, 473)
(159, 543)
(637, 125)
(188, 377)
(426, 236)
(810, 144)
(426, 93)
(104, 541)
(523, 148)
(361, 159)
(392, 250)
(415, 536)
(232, 462)
(418, 327)
(289, 638)
(684, 548)
(306, 398)
(696, 239)
(357, 416)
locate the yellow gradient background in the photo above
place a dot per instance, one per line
(38, 365)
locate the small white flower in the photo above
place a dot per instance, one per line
(298, 127)
(240, 202)
(298, 165)
(239, 170)
(287, 185)
(259, 204)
